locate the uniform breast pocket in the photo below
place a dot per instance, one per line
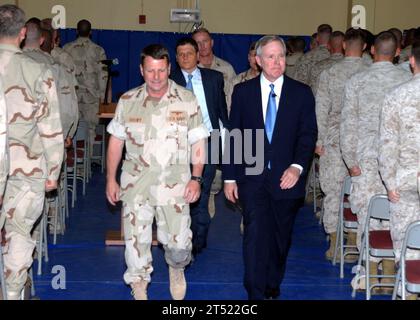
(136, 133)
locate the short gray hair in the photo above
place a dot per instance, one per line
(268, 39)
(12, 20)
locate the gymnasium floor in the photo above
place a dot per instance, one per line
(94, 271)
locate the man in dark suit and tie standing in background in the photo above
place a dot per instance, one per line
(207, 86)
(284, 110)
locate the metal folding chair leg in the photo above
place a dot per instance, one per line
(359, 265)
(43, 242)
(397, 283)
(31, 276)
(2, 279)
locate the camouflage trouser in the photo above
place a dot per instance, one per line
(173, 232)
(332, 172)
(364, 187)
(406, 211)
(23, 204)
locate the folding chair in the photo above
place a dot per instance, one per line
(77, 162)
(2, 280)
(346, 220)
(376, 243)
(98, 152)
(409, 272)
(42, 242)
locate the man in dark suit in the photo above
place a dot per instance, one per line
(278, 113)
(207, 86)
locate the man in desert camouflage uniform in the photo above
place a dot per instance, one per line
(329, 101)
(35, 144)
(399, 149)
(161, 125)
(207, 59)
(306, 62)
(58, 53)
(68, 66)
(91, 76)
(252, 72)
(359, 135)
(336, 49)
(65, 89)
(295, 50)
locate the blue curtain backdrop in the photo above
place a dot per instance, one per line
(127, 45)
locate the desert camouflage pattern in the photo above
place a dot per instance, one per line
(329, 101)
(4, 152)
(173, 232)
(22, 206)
(399, 145)
(158, 137)
(34, 125)
(242, 77)
(332, 172)
(306, 62)
(91, 76)
(63, 57)
(359, 133)
(36, 147)
(66, 92)
(291, 61)
(363, 101)
(69, 72)
(321, 66)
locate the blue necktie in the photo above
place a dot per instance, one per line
(189, 83)
(270, 117)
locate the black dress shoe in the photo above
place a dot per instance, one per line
(272, 293)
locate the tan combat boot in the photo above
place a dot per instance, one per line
(329, 255)
(373, 271)
(178, 285)
(139, 290)
(388, 267)
(351, 241)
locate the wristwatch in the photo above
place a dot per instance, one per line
(198, 179)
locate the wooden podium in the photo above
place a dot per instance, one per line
(107, 111)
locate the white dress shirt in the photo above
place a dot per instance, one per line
(198, 88)
(265, 92)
